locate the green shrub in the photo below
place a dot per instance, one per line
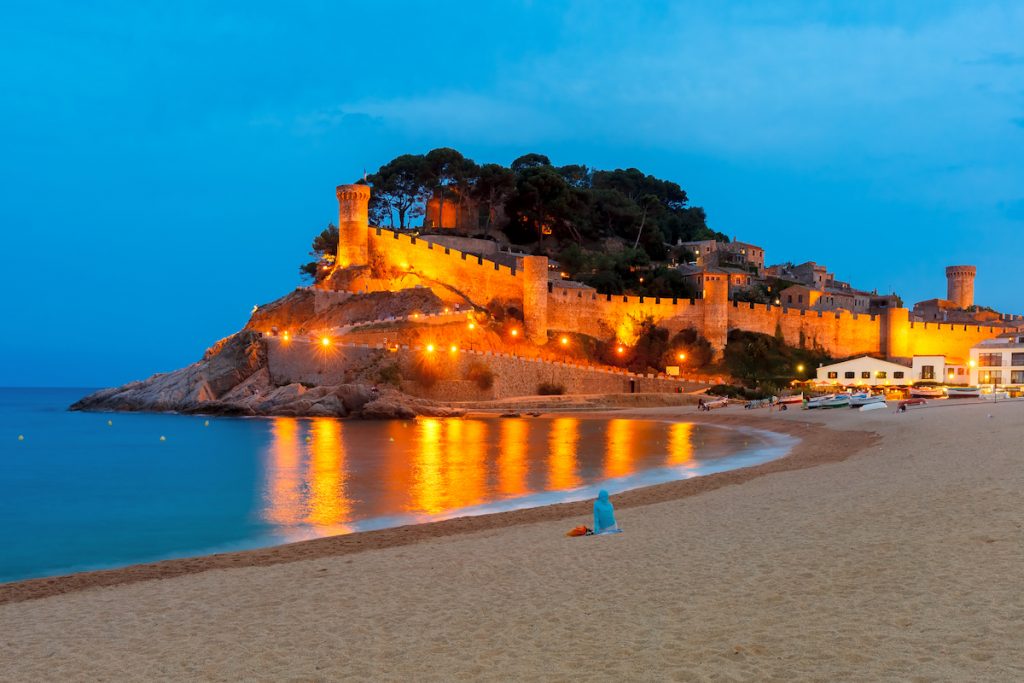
(426, 371)
(390, 374)
(481, 374)
(550, 389)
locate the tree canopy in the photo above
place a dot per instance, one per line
(539, 205)
(622, 223)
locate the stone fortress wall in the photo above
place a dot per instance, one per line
(555, 307)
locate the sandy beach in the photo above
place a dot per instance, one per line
(887, 546)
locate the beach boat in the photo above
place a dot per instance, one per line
(926, 392)
(714, 403)
(837, 401)
(795, 398)
(996, 396)
(878, 405)
(817, 401)
(963, 392)
(858, 400)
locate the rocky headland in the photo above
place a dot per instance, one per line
(233, 376)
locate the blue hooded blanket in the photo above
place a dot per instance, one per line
(604, 513)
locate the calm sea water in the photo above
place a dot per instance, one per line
(78, 493)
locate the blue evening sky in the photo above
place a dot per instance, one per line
(165, 166)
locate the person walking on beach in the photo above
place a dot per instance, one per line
(604, 515)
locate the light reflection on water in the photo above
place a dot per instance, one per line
(93, 490)
(324, 476)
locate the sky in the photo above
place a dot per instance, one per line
(165, 166)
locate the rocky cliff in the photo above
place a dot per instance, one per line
(232, 378)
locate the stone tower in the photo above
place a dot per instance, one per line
(960, 285)
(353, 224)
(535, 298)
(716, 311)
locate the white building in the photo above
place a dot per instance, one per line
(866, 371)
(939, 369)
(998, 361)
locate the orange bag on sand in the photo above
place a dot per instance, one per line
(580, 530)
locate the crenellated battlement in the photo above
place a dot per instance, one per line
(580, 309)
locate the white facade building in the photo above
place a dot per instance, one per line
(866, 371)
(999, 361)
(939, 369)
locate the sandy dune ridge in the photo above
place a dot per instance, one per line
(902, 561)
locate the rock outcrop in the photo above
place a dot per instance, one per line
(232, 378)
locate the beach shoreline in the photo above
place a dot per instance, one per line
(886, 546)
(807, 452)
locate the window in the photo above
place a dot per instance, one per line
(1017, 377)
(833, 375)
(800, 298)
(898, 374)
(849, 374)
(881, 374)
(865, 375)
(1017, 359)
(990, 377)
(990, 360)
(789, 298)
(959, 371)
(927, 372)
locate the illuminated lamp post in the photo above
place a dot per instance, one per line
(325, 342)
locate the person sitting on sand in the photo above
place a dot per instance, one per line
(604, 515)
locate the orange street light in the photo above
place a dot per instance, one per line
(453, 348)
(681, 356)
(430, 348)
(324, 341)
(514, 333)
(565, 341)
(471, 326)
(620, 350)
(971, 362)
(285, 336)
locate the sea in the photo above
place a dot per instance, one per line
(82, 491)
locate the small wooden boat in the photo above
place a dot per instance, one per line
(926, 391)
(996, 396)
(795, 398)
(837, 401)
(963, 392)
(712, 404)
(858, 400)
(818, 401)
(911, 402)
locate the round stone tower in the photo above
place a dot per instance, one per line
(960, 285)
(353, 225)
(716, 311)
(535, 298)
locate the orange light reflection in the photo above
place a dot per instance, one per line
(284, 504)
(680, 443)
(328, 505)
(562, 444)
(619, 454)
(512, 465)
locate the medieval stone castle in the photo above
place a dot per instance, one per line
(380, 259)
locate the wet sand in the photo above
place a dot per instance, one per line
(885, 546)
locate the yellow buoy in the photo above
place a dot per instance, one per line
(21, 437)
(110, 423)
(163, 438)
(206, 423)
